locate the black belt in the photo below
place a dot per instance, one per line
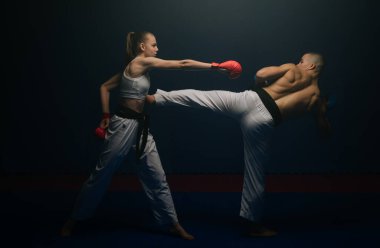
(143, 125)
(270, 104)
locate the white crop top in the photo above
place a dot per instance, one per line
(136, 88)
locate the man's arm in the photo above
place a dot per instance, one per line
(268, 74)
(323, 123)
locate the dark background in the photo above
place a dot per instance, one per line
(57, 54)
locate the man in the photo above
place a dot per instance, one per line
(284, 92)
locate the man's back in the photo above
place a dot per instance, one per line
(295, 92)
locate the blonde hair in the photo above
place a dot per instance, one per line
(134, 39)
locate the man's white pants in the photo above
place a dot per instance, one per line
(256, 125)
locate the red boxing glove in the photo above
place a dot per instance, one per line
(100, 133)
(233, 67)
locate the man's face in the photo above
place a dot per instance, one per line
(306, 62)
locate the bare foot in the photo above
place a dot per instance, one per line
(150, 99)
(178, 230)
(257, 230)
(67, 228)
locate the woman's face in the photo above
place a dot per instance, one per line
(149, 47)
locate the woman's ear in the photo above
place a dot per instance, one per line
(142, 47)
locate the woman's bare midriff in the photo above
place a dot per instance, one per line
(133, 104)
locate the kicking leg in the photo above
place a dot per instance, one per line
(230, 103)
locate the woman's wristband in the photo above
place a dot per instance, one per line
(106, 115)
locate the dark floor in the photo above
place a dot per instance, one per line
(33, 219)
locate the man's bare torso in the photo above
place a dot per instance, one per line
(295, 92)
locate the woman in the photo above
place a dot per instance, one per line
(129, 126)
